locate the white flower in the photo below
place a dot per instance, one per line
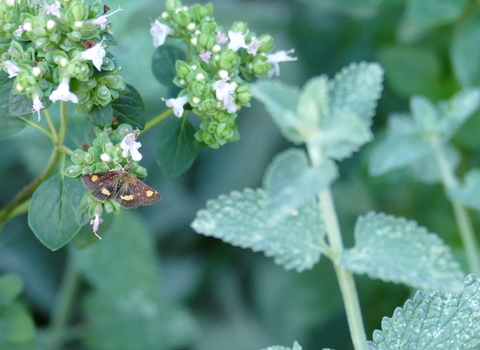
(224, 93)
(275, 58)
(37, 105)
(102, 20)
(221, 38)
(96, 224)
(159, 32)
(20, 30)
(63, 92)
(96, 54)
(129, 145)
(237, 40)
(10, 2)
(53, 9)
(12, 68)
(177, 104)
(254, 46)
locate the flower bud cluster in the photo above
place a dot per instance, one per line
(215, 82)
(57, 50)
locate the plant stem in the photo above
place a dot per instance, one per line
(50, 124)
(157, 119)
(38, 127)
(462, 217)
(68, 289)
(345, 278)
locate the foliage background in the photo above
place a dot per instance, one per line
(236, 299)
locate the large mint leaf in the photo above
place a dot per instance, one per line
(51, 217)
(429, 13)
(402, 146)
(397, 250)
(469, 193)
(281, 102)
(426, 168)
(434, 321)
(295, 346)
(239, 219)
(465, 52)
(290, 182)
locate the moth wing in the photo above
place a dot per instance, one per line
(133, 193)
(103, 184)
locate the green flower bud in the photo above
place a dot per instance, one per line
(73, 171)
(239, 27)
(139, 171)
(208, 27)
(205, 42)
(108, 206)
(89, 156)
(87, 170)
(114, 81)
(77, 11)
(183, 69)
(199, 87)
(103, 95)
(228, 60)
(78, 157)
(124, 129)
(204, 137)
(75, 35)
(209, 106)
(172, 4)
(201, 11)
(15, 50)
(182, 17)
(85, 202)
(267, 43)
(260, 66)
(243, 94)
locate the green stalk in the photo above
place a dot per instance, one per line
(38, 127)
(68, 289)
(462, 217)
(157, 119)
(345, 278)
(50, 124)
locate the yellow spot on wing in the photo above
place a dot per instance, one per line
(106, 192)
(127, 197)
(94, 178)
(149, 193)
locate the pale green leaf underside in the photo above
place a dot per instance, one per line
(426, 168)
(239, 219)
(434, 321)
(296, 346)
(397, 250)
(290, 182)
(469, 193)
(433, 12)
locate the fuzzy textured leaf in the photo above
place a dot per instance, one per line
(433, 12)
(290, 182)
(239, 219)
(130, 109)
(469, 193)
(397, 250)
(175, 147)
(51, 217)
(295, 346)
(434, 320)
(426, 168)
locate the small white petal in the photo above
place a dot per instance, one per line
(275, 58)
(12, 68)
(130, 146)
(159, 32)
(96, 54)
(63, 93)
(237, 40)
(37, 105)
(177, 104)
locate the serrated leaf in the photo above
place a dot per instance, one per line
(11, 285)
(434, 321)
(51, 216)
(397, 250)
(465, 52)
(239, 219)
(295, 346)
(130, 108)
(402, 146)
(163, 63)
(17, 330)
(281, 102)
(101, 115)
(469, 193)
(175, 147)
(430, 13)
(290, 182)
(9, 126)
(426, 168)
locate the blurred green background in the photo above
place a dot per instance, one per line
(233, 298)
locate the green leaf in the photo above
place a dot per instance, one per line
(290, 182)
(51, 217)
(281, 102)
(101, 115)
(465, 52)
(469, 193)
(163, 63)
(397, 250)
(11, 285)
(17, 330)
(9, 126)
(239, 219)
(295, 346)
(430, 13)
(19, 105)
(175, 147)
(402, 146)
(424, 113)
(426, 168)
(433, 321)
(412, 70)
(130, 109)
(5, 90)
(124, 311)
(77, 192)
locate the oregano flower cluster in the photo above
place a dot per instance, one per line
(215, 79)
(57, 50)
